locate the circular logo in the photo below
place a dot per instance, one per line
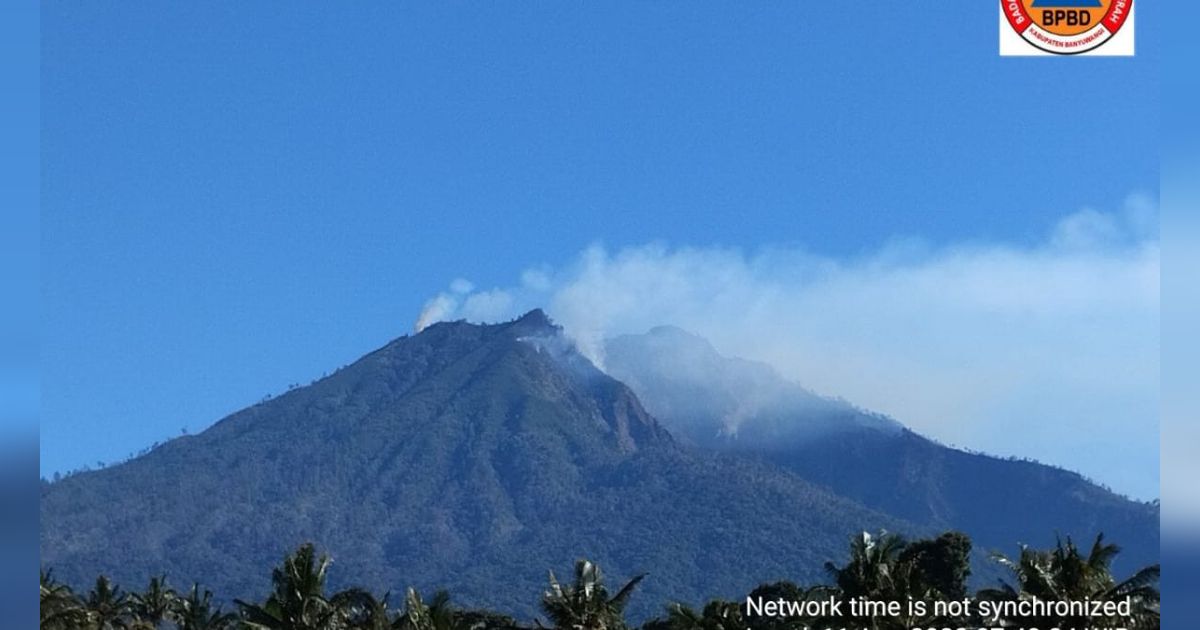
(1066, 27)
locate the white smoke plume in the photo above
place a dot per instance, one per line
(442, 306)
(1046, 350)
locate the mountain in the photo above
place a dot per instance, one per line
(732, 405)
(728, 403)
(471, 457)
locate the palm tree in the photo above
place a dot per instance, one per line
(874, 572)
(789, 591)
(196, 612)
(585, 605)
(358, 609)
(108, 608)
(870, 572)
(438, 614)
(154, 604)
(298, 600)
(60, 608)
(942, 564)
(1065, 574)
(717, 615)
(417, 615)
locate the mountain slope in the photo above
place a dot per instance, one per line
(732, 405)
(727, 403)
(468, 457)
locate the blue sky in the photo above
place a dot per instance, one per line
(237, 196)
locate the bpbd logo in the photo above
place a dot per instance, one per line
(1067, 27)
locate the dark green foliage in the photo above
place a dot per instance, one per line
(880, 567)
(154, 604)
(439, 614)
(586, 603)
(196, 611)
(942, 564)
(60, 608)
(873, 571)
(717, 615)
(297, 601)
(787, 591)
(1065, 573)
(107, 607)
(887, 568)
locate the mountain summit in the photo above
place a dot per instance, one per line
(471, 457)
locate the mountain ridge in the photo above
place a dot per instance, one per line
(467, 456)
(868, 457)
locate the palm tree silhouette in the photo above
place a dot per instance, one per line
(1065, 574)
(196, 612)
(585, 605)
(108, 608)
(298, 600)
(60, 608)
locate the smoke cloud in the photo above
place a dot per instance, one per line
(442, 307)
(1046, 349)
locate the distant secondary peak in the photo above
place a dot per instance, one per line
(678, 339)
(674, 331)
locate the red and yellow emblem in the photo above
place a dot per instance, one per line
(1066, 27)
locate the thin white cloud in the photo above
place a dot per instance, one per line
(1047, 350)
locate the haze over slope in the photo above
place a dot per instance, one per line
(729, 404)
(472, 457)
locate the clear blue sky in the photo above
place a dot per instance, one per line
(238, 196)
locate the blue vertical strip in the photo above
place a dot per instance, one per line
(1174, 52)
(20, 38)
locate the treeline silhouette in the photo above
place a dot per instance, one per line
(882, 567)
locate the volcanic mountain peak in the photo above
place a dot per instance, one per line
(535, 322)
(475, 457)
(467, 456)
